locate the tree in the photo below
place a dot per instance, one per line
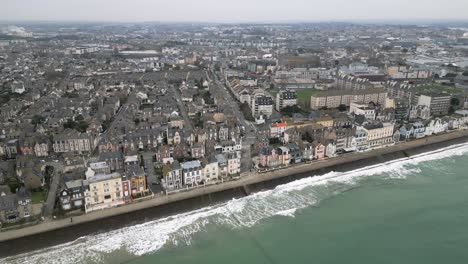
(272, 86)
(244, 107)
(37, 119)
(455, 102)
(342, 108)
(290, 110)
(13, 183)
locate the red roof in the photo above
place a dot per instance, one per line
(279, 125)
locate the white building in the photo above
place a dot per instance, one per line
(262, 104)
(285, 98)
(362, 109)
(192, 171)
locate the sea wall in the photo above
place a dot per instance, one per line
(62, 231)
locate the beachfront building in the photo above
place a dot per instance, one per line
(361, 139)
(435, 126)
(379, 134)
(192, 173)
(210, 170)
(137, 178)
(283, 155)
(308, 151)
(233, 163)
(319, 151)
(330, 149)
(172, 176)
(104, 191)
(72, 196)
(268, 157)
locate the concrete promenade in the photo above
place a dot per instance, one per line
(249, 178)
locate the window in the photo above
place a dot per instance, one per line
(107, 197)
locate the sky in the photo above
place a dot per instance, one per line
(233, 10)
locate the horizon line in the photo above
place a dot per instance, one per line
(285, 21)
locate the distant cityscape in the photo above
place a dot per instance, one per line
(96, 116)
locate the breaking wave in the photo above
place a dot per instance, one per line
(285, 200)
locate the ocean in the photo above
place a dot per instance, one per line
(412, 210)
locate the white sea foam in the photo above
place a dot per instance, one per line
(288, 213)
(284, 200)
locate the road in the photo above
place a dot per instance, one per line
(49, 204)
(250, 130)
(182, 107)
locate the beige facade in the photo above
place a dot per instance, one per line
(104, 191)
(333, 99)
(379, 135)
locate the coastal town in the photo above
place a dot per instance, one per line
(96, 117)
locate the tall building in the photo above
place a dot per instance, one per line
(439, 104)
(285, 98)
(262, 104)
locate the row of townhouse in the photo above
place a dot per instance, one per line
(328, 142)
(421, 129)
(73, 141)
(103, 189)
(210, 170)
(292, 153)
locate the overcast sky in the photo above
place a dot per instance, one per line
(233, 10)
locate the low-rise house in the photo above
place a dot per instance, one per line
(319, 151)
(72, 195)
(41, 149)
(419, 130)
(435, 126)
(406, 131)
(295, 153)
(114, 160)
(222, 165)
(234, 163)
(283, 156)
(99, 167)
(308, 151)
(15, 207)
(269, 157)
(197, 150)
(210, 170)
(192, 173)
(172, 176)
(330, 149)
(137, 177)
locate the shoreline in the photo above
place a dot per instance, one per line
(55, 232)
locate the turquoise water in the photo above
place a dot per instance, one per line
(407, 211)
